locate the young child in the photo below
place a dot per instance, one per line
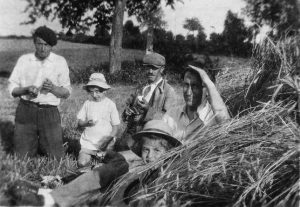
(100, 119)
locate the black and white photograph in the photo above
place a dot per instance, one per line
(150, 103)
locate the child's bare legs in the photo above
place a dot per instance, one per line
(85, 157)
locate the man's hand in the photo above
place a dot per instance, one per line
(128, 111)
(48, 85)
(203, 75)
(32, 91)
(57, 91)
(143, 104)
(134, 113)
(90, 123)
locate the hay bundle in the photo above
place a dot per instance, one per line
(250, 161)
(275, 76)
(276, 68)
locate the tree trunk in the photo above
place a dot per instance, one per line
(115, 49)
(149, 47)
(196, 42)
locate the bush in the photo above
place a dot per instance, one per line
(130, 74)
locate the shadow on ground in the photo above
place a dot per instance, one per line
(71, 138)
(6, 135)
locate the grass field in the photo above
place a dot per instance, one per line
(77, 55)
(233, 73)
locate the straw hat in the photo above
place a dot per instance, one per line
(97, 79)
(156, 127)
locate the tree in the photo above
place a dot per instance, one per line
(193, 24)
(281, 15)
(115, 49)
(190, 42)
(101, 35)
(80, 15)
(132, 37)
(179, 38)
(152, 18)
(235, 34)
(130, 29)
(201, 41)
(216, 44)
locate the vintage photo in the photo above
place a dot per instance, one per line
(148, 103)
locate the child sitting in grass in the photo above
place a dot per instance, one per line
(100, 119)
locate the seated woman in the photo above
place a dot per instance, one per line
(150, 144)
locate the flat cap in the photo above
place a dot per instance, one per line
(154, 59)
(46, 34)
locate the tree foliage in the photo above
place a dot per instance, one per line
(151, 18)
(193, 24)
(80, 15)
(132, 37)
(235, 34)
(281, 15)
(234, 40)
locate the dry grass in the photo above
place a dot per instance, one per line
(249, 161)
(276, 68)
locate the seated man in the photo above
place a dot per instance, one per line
(203, 105)
(157, 96)
(149, 144)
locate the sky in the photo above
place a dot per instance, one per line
(211, 14)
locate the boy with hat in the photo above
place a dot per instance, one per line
(40, 80)
(100, 119)
(157, 96)
(149, 144)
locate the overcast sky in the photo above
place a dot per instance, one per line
(211, 14)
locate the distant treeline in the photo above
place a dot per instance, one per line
(133, 38)
(15, 37)
(177, 49)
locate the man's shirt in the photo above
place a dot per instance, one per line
(178, 120)
(149, 89)
(30, 70)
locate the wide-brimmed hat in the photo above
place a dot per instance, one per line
(154, 59)
(156, 127)
(97, 79)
